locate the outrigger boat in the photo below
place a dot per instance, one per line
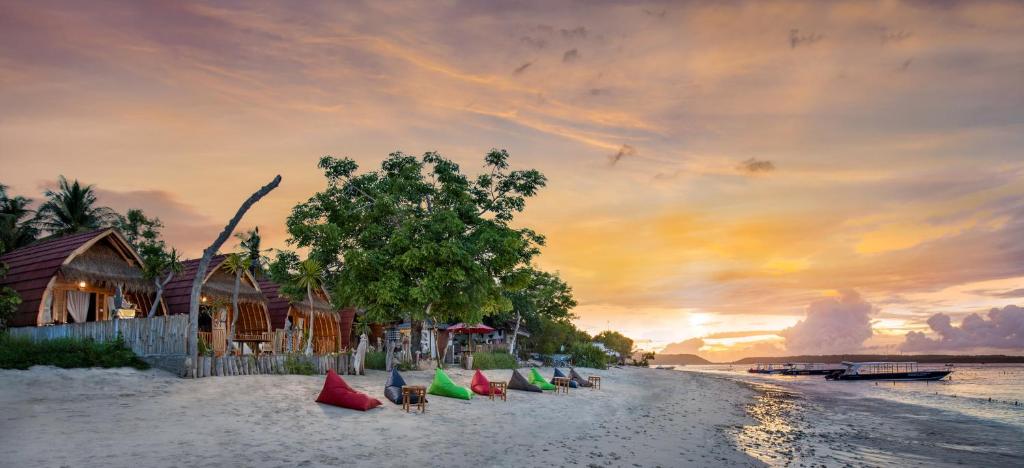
(811, 368)
(905, 371)
(768, 368)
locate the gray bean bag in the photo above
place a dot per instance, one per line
(576, 377)
(518, 382)
(558, 373)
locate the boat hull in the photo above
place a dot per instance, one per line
(810, 372)
(908, 376)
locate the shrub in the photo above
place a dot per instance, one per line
(68, 353)
(376, 360)
(493, 360)
(587, 355)
(298, 365)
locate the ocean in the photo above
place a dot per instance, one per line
(975, 418)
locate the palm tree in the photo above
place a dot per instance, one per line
(157, 263)
(249, 241)
(16, 229)
(308, 278)
(236, 264)
(72, 208)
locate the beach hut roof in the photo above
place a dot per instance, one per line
(218, 283)
(278, 305)
(100, 256)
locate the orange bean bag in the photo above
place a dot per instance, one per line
(337, 392)
(480, 385)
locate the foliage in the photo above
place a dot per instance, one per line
(141, 231)
(16, 226)
(554, 336)
(9, 299)
(494, 360)
(72, 208)
(376, 360)
(645, 359)
(616, 341)
(249, 242)
(361, 326)
(587, 355)
(22, 353)
(298, 280)
(298, 365)
(204, 347)
(417, 238)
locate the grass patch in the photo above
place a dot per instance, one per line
(298, 365)
(67, 353)
(376, 360)
(493, 360)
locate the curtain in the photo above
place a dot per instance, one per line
(78, 306)
(47, 309)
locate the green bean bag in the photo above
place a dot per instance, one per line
(536, 379)
(443, 386)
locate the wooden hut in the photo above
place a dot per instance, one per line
(74, 279)
(287, 315)
(216, 313)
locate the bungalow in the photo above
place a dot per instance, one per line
(332, 329)
(75, 279)
(253, 325)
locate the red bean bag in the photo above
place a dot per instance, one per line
(480, 385)
(337, 392)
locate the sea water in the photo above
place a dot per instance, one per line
(975, 417)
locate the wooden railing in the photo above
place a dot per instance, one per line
(156, 336)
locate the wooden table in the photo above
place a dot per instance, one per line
(595, 382)
(418, 390)
(561, 384)
(500, 389)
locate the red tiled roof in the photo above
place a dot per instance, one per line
(178, 292)
(31, 268)
(277, 305)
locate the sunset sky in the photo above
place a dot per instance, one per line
(748, 178)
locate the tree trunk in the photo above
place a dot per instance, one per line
(159, 292)
(515, 335)
(312, 320)
(204, 264)
(235, 311)
(416, 339)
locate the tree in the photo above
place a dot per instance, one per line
(540, 295)
(16, 227)
(418, 239)
(249, 242)
(9, 298)
(617, 342)
(72, 208)
(159, 266)
(298, 279)
(236, 264)
(140, 230)
(204, 264)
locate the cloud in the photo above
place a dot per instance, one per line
(536, 43)
(906, 64)
(796, 39)
(570, 56)
(755, 166)
(185, 228)
(690, 346)
(522, 68)
(894, 37)
(624, 151)
(578, 32)
(1004, 329)
(833, 325)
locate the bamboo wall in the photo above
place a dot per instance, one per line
(210, 366)
(156, 336)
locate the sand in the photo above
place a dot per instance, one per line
(122, 417)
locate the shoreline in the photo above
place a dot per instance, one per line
(801, 426)
(121, 417)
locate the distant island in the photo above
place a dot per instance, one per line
(922, 358)
(677, 359)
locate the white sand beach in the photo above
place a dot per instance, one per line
(123, 417)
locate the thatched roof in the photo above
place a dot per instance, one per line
(221, 285)
(101, 265)
(218, 285)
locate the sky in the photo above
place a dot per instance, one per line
(729, 179)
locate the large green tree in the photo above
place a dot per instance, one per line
(417, 238)
(73, 208)
(537, 295)
(16, 226)
(616, 341)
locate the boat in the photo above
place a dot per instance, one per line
(811, 368)
(665, 367)
(904, 371)
(768, 368)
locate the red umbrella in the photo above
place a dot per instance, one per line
(463, 328)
